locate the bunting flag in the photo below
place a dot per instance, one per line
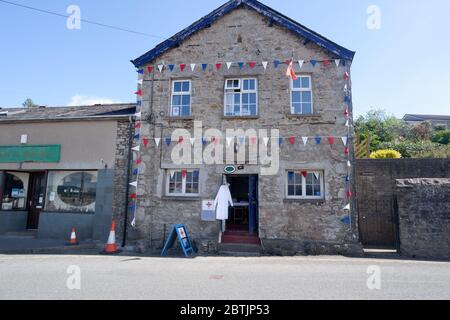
(182, 67)
(139, 103)
(137, 148)
(346, 112)
(192, 140)
(280, 141)
(216, 140)
(346, 88)
(349, 193)
(241, 65)
(133, 196)
(347, 179)
(229, 64)
(150, 69)
(168, 141)
(345, 219)
(204, 141)
(140, 81)
(139, 92)
(204, 66)
(331, 140)
(326, 62)
(157, 141)
(349, 164)
(138, 161)
(172, 174)
(137, 136)
(304, 174)
(290, 70)
(347, 99)
(180, 140)
(252, 64)
(301, 63)
(138, 115)
(184, 173)
(218, 66)
(137, 125)
(346, 76)
(347, 123)
(171, 67)
(160, 68)
(344, 140)
(265, 64)
(305, 140)
(134, 184)
(193, 65)
(140, 71)
(276, 63)
(266, 141)
(254, 140)
(241, 140)
(292, 140)
(146, 142)
(313, 62)
(318, 140)
(347, 151)
(229, 141)
(337, 62)
(317, 175)
(136, 171)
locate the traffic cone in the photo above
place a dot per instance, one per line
(73, 238)
(111, 246)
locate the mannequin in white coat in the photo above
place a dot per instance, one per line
(222, 202)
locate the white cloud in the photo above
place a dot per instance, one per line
(80, 100)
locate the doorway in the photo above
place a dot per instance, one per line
(36, 198)
(244, 215)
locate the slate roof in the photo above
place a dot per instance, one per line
(274, 16)
(67, 113)
(424, 117)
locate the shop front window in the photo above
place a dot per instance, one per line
(15, 191)
(71, 191)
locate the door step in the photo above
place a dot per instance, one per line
(240, 237)
(240, 250)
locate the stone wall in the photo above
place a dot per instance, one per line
(424, 215)
(232, 38)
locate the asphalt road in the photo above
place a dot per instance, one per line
(45, 277)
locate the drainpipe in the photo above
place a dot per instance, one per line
(127, 188)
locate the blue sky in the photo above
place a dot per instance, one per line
(403, 67)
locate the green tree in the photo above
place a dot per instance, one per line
(29, 104)
(442, 137)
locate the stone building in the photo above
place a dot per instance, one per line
(63, 167)
(227, 71)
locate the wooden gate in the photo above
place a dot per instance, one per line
(378, 219)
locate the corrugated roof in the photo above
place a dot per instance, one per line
(271, 14)
(62, 113)
(425, 117)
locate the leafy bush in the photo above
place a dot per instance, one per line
(409, 148)
(440, 151)
(442, 137)
(385, 154)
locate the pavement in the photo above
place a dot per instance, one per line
(227, 278)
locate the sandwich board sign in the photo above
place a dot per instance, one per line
(179, 231)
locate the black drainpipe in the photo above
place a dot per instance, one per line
(127, 188)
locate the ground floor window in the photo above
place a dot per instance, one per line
(15, 191)
(183, 182)
(305, 184)
(71, 191)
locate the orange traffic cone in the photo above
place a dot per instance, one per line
(73, 238)
(111, 246)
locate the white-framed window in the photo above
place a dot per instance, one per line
(305, 184)
(180, 105)
(177, 185)
(241, 97)
(301, 95)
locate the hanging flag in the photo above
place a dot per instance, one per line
(139, 93)
(139, 103)
(344, 140)
(305, 140)
(266, 141)
(140, 81)
(132, 207)
(347, 99)
(138, 115)
(160, 68)
(349, 193)
(136, 171)
(182, 67)
(168, 141)
(318, 140)
(280, 141)
(331, 140)
(218, 66)
(241, 65)
(172, 174)
(180, 140)
(292, 140)
(346, 88)
(265, 63)
(229, 140)
(301, 63)
(326, 62)
(192, 140)
(291, 175)
(184, 173)
(229, 65)
(137, 136)
(134, 184)
(150, 69)
(157, 141)
(345, 219)
(290, 71)
(204, 141)
(347, 179)
(204, 66)
(276, 63)
(133, 196)
(346, 76)
(254, 140)
(137, 148)
(304, 173)
(337, 62)
(313, 62)
(349, 164)
(171, 67)
(347, 123)
(138, 161)
(317, 175)
(193, 67)
(137, 125)
(140, 71)
(146, 141)
(346, 112)
(347, 150)
(216, 140)
(252, 64)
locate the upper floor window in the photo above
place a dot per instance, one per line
(181, 99)
(301, 95)
(305, 185)
(241, 97)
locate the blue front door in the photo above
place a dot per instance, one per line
(253, 204)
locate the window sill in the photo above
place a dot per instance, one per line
(181, 198)
(306, 116)
(240, 117)
(186, 118)
(311, 201)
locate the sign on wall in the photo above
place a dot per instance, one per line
(41, 153)
(208, 211)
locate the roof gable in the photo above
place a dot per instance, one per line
(274, 16)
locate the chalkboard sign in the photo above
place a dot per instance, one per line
(178, 231)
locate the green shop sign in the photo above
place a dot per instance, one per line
(19, 154)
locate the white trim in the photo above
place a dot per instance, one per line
(182, 93)
(310, 89)
(241, 88)
(304, 196)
